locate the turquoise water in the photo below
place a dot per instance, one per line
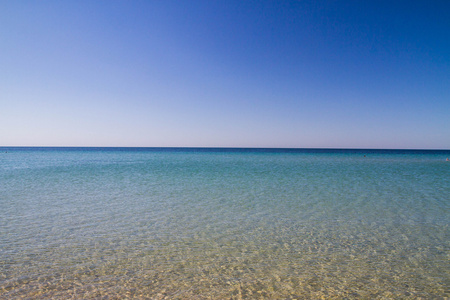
(114, 223)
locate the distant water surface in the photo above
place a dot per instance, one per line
(185, 223)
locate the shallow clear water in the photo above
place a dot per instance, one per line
(114, 223)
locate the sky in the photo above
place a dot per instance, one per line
(294, 74)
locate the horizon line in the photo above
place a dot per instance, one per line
(234, 147)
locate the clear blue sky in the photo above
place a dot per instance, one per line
(334, 74)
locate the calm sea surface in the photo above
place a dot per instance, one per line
(157, 223)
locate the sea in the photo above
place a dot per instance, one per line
(224, 223)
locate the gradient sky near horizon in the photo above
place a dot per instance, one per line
(320, 74)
